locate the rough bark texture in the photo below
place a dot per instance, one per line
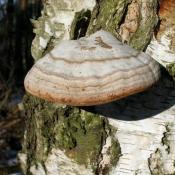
(137, 135)
(60, 20)
(80, 134)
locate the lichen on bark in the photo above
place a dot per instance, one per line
(55, 23)
(80, 134)
(161, 162)
(47, 31)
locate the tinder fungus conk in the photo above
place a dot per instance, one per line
(92, 70)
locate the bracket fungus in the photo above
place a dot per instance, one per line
(92, 70)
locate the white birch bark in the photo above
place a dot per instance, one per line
(146, 130)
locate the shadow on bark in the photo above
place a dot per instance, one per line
(143, 105)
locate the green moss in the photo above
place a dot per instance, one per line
(80, 134)
(40, 117)
(171, 69)
(30, 142)
(115, 151)
(39, 30)
(108, 15)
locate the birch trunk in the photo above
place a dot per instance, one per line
(131, 136)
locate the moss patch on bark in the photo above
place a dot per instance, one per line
(108, 15)
(80, 134)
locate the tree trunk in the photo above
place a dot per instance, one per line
(131, 136)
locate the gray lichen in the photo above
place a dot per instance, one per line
(45, 30)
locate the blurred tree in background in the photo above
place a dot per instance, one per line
(15, 60)
(16, 36)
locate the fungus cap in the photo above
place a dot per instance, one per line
(92, 70)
